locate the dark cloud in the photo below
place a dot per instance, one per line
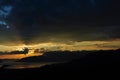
(51, 20)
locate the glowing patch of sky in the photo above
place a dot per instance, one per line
(53, 46)
(16, 56)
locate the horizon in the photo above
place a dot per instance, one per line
(57, 46)
(19, 56)
(59, 25)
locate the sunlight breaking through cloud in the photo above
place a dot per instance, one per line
(72, 46)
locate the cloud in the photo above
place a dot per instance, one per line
(2, 23)
(73, 20)
(5, 11)
(70, 46)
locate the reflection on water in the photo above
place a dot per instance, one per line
(26, 65)
(22, 65)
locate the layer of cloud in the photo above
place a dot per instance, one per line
(71, 46)
(38, 21)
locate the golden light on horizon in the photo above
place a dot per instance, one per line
(17, 56)
(83, 45)
(56, 46)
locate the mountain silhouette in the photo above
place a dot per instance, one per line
(94, 63)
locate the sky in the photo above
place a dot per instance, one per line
(92, 23)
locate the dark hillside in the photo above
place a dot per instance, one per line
(94, 63)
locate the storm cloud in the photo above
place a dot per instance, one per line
(36, 21)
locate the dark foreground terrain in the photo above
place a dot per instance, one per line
(96, 63)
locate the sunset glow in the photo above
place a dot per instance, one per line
(17, 56)
(70, 45)
(55, 46)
